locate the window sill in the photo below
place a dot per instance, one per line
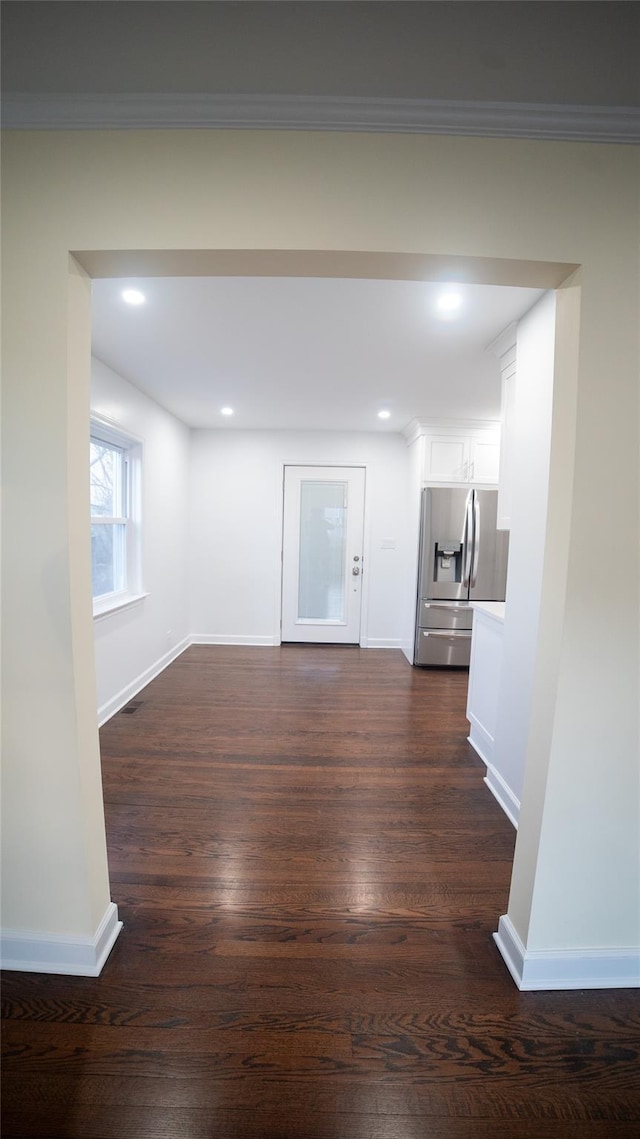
(115, 604)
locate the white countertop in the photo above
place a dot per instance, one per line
(493, 609)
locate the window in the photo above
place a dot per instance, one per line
(115, 461)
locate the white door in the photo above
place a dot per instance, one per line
(322, 554)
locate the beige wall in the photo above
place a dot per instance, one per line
(576, 881)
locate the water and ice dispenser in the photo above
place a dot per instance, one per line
(448, 561)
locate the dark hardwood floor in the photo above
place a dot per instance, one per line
(309, 869)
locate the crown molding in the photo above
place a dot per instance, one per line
(421, 426)
(320, 112)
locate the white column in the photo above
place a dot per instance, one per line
(57, 913)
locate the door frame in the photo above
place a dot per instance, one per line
(477, 269)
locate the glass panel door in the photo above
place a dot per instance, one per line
(322, 554)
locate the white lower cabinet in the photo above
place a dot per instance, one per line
(485, 670)
(485, 700)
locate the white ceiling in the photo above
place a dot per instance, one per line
(306, 353)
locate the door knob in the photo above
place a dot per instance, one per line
(355, 571)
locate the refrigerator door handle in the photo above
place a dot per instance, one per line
(467, 539)
(476, 539)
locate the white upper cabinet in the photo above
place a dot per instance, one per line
(462, 453)
(446, 458)
(484, 456)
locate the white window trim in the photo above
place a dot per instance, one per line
(108, 431)
(114, 602)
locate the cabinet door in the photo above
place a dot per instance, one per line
(507, 449)
(484, 464)
(446, 458)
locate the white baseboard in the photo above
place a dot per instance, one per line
(494, 781)
(109, 709)
(271, 642)
(566, 968)
(228, 639)
(503, 793)
(480, 739)
(58, 953)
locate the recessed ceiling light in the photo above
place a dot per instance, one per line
(384, 414)
(449, 302)
(226, 411)
(133, 296)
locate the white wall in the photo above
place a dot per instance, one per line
(516, 212)
(236, 529)
(530, 474)
(132, 644)
(212, 529)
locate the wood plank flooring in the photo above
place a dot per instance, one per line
(309, 868)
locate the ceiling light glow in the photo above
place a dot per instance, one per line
(384, 414)
(448, 303)
(226, 411)
(133, 296)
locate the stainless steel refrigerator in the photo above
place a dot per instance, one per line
(463, 558)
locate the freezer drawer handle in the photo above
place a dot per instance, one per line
(449, 608)
(447, 636)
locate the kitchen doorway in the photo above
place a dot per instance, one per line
(405, 267)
